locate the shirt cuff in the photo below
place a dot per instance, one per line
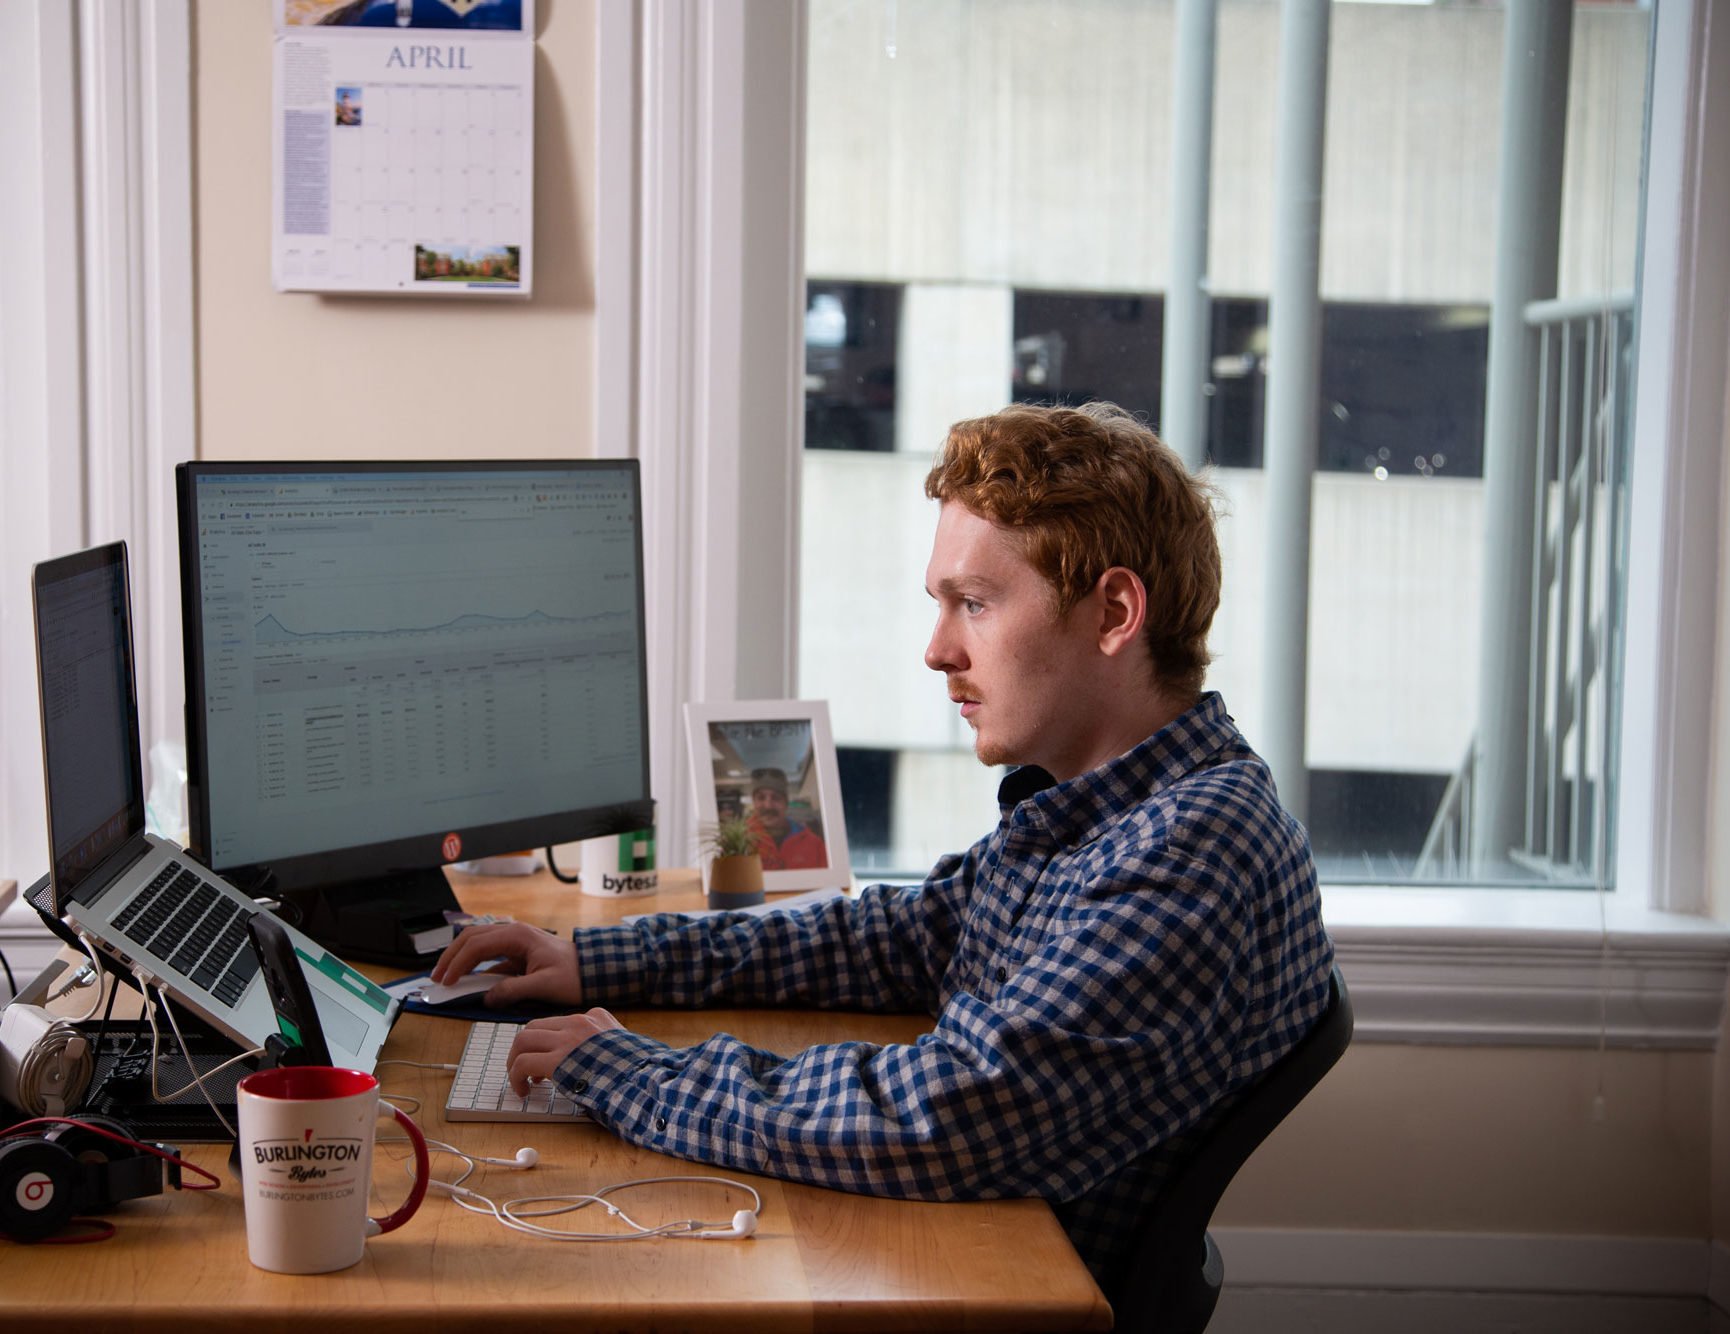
(606, 1077)
(612, 963)
(618, 1077)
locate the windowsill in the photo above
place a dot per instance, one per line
(1527, 967)
(1499, 967)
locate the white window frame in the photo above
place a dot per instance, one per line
(97, 399)
(699, 372)
(1642, 965)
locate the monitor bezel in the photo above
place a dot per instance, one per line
(334, 866)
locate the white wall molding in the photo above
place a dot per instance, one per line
(41, 384)
(135, 115)
(96, 341)
(1546, 991)
(1464, 1262)
(1518, 967)
(168, 337)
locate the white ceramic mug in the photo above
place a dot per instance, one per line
(306, 1141)
(620, 866)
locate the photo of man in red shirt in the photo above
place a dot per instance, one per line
(783, 843)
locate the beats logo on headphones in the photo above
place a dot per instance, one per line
(38, 1189)
(35, 1191)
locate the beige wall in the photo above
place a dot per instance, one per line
(305, 376)
(1490, 1139)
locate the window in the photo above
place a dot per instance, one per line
(1024, 254)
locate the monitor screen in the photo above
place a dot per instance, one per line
(89, 713)
(395, 666)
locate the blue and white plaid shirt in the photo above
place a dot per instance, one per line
(1123, 952)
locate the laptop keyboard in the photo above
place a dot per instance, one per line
(481, 1090)
(179, 916)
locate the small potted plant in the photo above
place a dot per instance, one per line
(735, 869)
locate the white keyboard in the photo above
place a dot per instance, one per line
(481, 1090)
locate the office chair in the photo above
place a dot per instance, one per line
(1170, 1282)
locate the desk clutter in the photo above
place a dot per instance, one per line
(379, 690)
(378, 687)
(449, 1265)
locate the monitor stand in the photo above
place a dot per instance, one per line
(396, 919)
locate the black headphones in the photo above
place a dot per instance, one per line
(83, 1166)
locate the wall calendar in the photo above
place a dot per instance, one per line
(403, 147)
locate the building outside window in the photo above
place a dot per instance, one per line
(1024, 255)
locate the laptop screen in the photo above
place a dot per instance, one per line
(89, 713)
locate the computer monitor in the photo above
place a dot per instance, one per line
(391, 667)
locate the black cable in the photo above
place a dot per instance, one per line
(11, 982)
(559, 875)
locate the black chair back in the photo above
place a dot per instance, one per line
(1170, 1282)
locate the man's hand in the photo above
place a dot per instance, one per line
(542, 1045)
(542, 967)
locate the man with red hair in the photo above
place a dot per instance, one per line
(1139, 937)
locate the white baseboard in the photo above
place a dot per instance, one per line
(1461, 1262)
(1321, 1311)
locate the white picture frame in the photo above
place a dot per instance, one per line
(746, 752)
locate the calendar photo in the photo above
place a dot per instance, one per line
(404, 151)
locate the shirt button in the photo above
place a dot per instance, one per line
(660, 1123)
(1002, 974)
(581, 1086)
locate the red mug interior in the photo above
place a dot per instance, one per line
(307, 1083)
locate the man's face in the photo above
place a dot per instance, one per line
(1023, 676)
(770, 807)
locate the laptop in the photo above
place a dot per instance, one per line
(141, 899)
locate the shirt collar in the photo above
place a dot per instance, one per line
(1075, 811)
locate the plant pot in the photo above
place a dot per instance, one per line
(736, 882)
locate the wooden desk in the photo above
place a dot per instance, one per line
(821, 1260)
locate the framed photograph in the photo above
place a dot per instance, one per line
(772, 763)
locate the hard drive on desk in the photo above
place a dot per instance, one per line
(120, 1085)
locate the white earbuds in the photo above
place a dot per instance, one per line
(516, 1214)
(526, 1157)
(744, 1225)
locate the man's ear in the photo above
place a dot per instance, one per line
(1122, 600)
